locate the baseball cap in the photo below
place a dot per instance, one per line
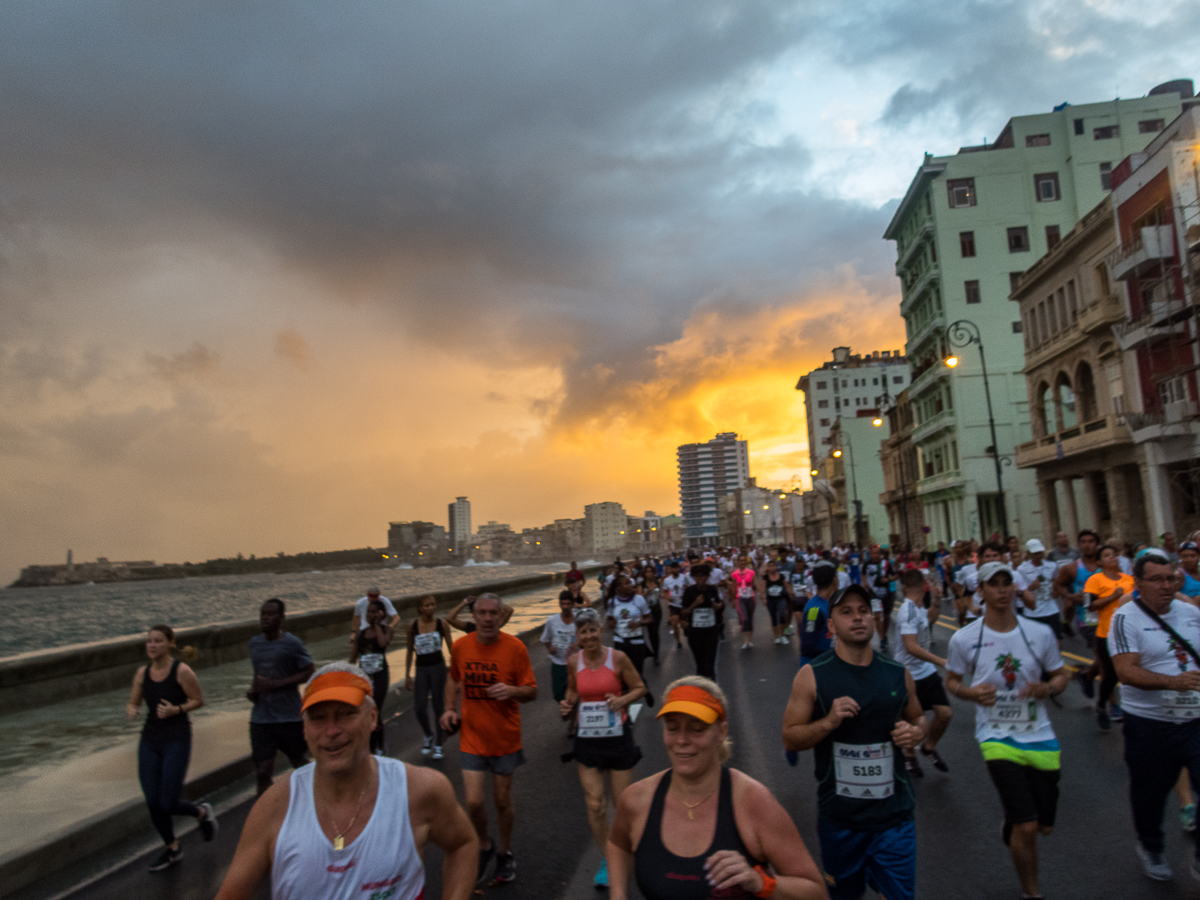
(345, 687)
(853, 590)
(990, 570)
(373, 592)
(693, 701)
(1033, 545)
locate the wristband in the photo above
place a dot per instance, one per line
(768, 887)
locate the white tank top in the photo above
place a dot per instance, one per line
(382, 861)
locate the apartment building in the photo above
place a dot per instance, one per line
(707, 472)
(460, 524)
(848, 385)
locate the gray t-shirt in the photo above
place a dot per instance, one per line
(280, 658)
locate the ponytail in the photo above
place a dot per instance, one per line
(187, 652)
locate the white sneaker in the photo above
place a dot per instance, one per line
(1154, 864)
(427, 746)
(437, 753)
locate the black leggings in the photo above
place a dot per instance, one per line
(654, 627)
(704, 643)
(779, 608)
(1108, 681)
(430, 683)
(636, 652)
(379, 691)
(161, 770)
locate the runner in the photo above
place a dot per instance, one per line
(652, 591)
(370, 655)
(854, 707)
(1068, 586)
(1003, 660)
(968, 598)
(674, 584)
(575, 574)
(702, 605)
(352, 825)
(815, 637)
(1189, 570)
(490, 677)
(171, 690)
(913, 625)
(603, 683)
(468, 625)
(360, 612)
(1035, 582)
(558, 634)
(426, 634)
(700, 830)
(777, 591)
(1062, 551)
(877, 578)
(1167, 543)
(281, 664)
(628, 616)
(743, 579)
(1154, 643)
(573, 591)
(1103, 593)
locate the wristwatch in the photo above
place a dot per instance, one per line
(768, 887)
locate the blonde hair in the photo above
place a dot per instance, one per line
(711, 687)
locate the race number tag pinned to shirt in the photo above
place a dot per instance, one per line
(563, 639)
(1012, 713)
(371, 663)
(745, 592)
(427, 643)
(1181, 704)
(863, 770)
(596, 720)
(705, 617)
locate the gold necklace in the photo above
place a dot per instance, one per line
(691, 806)
(338, 840)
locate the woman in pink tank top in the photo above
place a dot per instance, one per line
(743, 578)
(602, 682)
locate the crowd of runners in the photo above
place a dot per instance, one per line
(869, 699)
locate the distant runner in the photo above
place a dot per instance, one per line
(702, 607)
(281, 664)
(913, 625)
(426, 635)
(360, 610)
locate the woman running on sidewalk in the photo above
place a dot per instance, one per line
(426, 633)
(603, 682)
(170, 690)
(700, 830)
(744, 578)
(370, 654)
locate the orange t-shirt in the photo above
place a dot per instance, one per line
(1101, 585)
(490, 727)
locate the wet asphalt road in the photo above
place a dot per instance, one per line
(960, 855)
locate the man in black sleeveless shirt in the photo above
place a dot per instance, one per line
(854, 707)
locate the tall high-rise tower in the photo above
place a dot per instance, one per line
(460, 525)
(708, 472)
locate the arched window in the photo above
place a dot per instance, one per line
(1043, 411)
(1064, 403)
(1085, 393)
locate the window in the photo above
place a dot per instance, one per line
(821, 385)
(824, 423)
(962, 192)
(1173, 390)
(845, 383)
(1037, 140)
(822, 404)
(1079, 126)
(1032, 329)
(1013, 279)
(1072, 305)
(897, 379)
(875, 381)
(1106, 132)
(1042, 329)
(1106, 176)
(1018, 240)
(1045, 187)
(932, 246)
(1150, 126)
(1017, 328)
(1053, 236)
(1053, 315)
(972, 291)
(1102, 279)
(966, 243)
(1062, 308)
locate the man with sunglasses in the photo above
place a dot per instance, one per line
(1154, 642)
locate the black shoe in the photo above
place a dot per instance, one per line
(1087, 683)
(1103, 720)
(912, 767)
(679, 645)
(1068, 630)
(936, 759)
(506, 869)
(166, 859)
(209, 825)
(485, 859)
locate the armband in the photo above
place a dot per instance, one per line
(768, 887)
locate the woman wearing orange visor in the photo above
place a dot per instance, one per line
(699, 829)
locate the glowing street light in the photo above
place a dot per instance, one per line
(813, 473)
(877, 421)
(951, 361)
(837, 454)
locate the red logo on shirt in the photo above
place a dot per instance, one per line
(338, 870)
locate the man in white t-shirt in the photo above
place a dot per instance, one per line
(913, 640)
(997, 662)
(673, 585)
(360, 610)
(558, 634)
(1154, 642)
(1035, 583)
(967, 595)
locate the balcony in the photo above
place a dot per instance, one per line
(1098, 434)
(940, 482)
(931, 426)
(1105, 311)
(1147, 249)
(926, 379)
(936, 323)
(919, 286)
(1160, 319)
(906, 256)
(1175, 420)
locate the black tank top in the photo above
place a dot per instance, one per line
(661, 875)
(775, 588)
(427, 647)
(174, 728)
(853, 759)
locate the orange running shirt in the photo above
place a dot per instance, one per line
(1101, 585)
(490, 727)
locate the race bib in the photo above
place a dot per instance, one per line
(863, 771)
(427, 643)
(372, 663)
(1181, 704)
(562, 640)
(1013, 714)
(596, 720)
(629, 627)
(704, 617)
(745, 593)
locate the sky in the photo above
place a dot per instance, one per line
(275, 274)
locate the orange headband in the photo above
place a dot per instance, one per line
(693, 701)
(343, 686)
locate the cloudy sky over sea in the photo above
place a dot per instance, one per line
(272, 274)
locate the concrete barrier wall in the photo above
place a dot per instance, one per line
(48, 676)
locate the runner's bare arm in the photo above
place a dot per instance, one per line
(437, 818)
(633, 804)
(911, 731)
(450, 717)
(800, 731)
(1130, 672)
(915, 649)
(191, 686)
(1063, 579)
(572, 695)
(983, 694)
(135, 693)
(1055, 684)
(256, 847)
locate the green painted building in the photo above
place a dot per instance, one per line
(967, 228)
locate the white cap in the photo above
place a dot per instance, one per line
(990, 570)
(1033, 545)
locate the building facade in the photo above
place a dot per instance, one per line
(419, 544)
(751, 515)
(968, 227)
(604, 529)
(460, 524)
(856, 477)
(848, 385)
(707, 472)
(898, 459)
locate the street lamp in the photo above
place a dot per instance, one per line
(963, 334)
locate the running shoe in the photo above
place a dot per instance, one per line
(789, 631)
(1103, 719)
(936, 759)
(679, 645)
(601, 879)
(506, 869)
(883, 645)
(1187, 818)
(912, 767)
(1116, 713)
(792, 757)
(427, 746)
(166, 859)
(1088, 685)
(437, 753)
(208, 825)
(1154, 864)
(485, 859)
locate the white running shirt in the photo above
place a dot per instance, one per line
(674, 585)
(380, 862)
(913, 619)
(628, 615)
(559, 635)
(1027, 574)
(1132, 631)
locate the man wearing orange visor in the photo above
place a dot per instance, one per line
(351, 818)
